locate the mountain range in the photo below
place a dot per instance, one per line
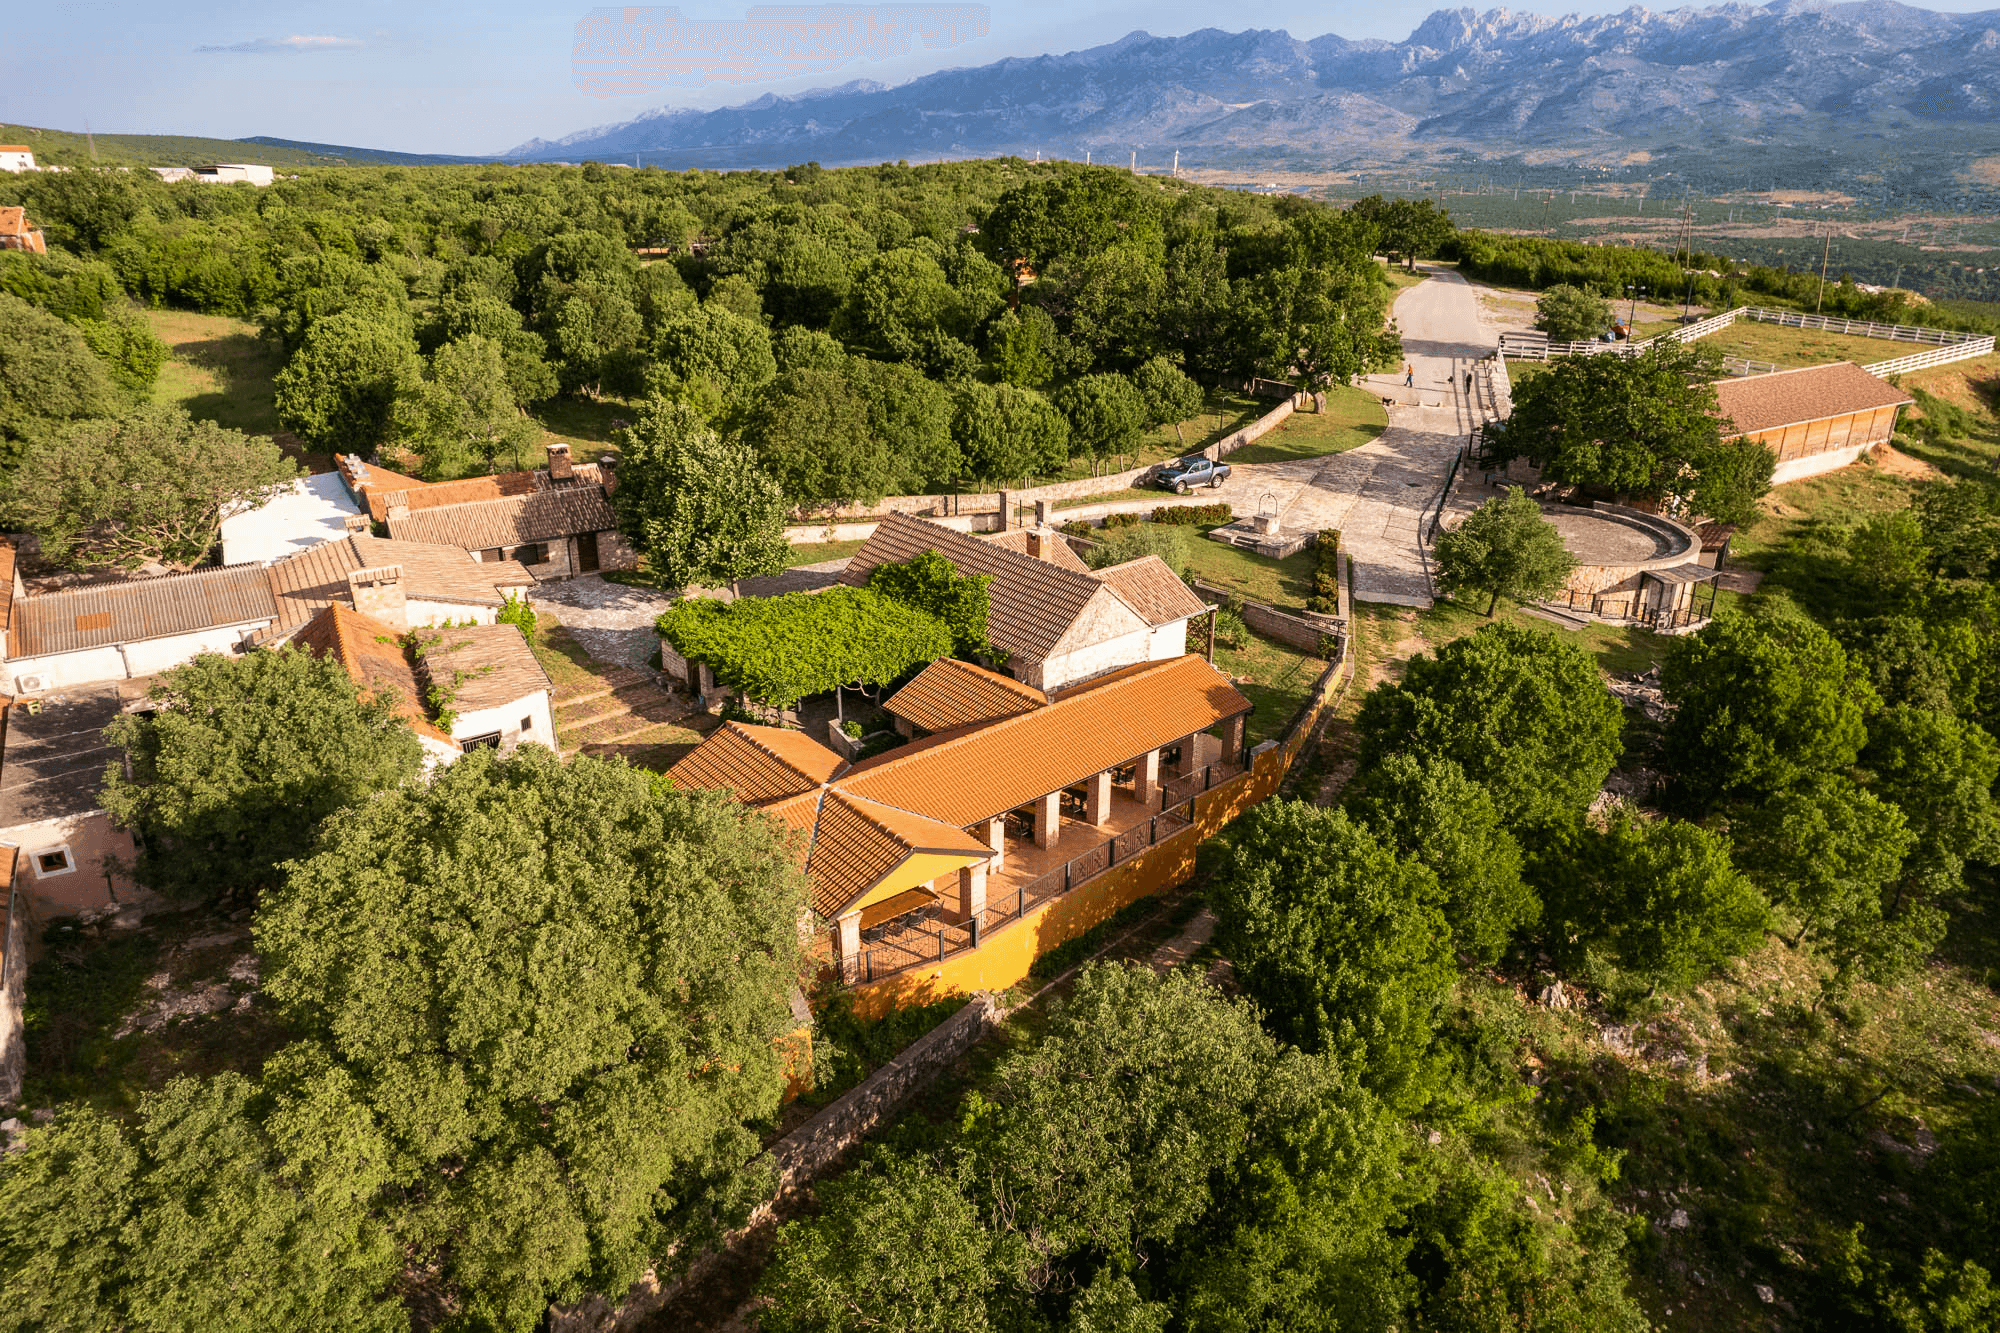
(1608, 90)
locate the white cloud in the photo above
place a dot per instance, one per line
(265, 46)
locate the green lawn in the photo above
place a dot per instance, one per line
(1281, 583)
(1803, 347)
(220, 370)
(812, 553)
(1352, 418)
(1274, 677)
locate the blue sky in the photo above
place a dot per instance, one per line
(455, 77)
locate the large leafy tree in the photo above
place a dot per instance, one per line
(698, 506)
(1521, 711)
(1504, 548)
(1004, 433)
(1760, 705)
(1105, 414)
(1408, 228)
(1428, 810)
(339, 390)
(1170, 396)
(48, 377)
(151, 486)
(1646, 425)
(1660, 897)
(558, 989)
(1570, 314)
(1939, 770)
(1344, 946)
(214, 1211)
(239, 759)
(464, 407)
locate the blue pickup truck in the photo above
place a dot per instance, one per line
(1184, 474)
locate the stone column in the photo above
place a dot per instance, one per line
(996, 838)
(1048, 819)
(1232, 739)
(1146, 778)
(850, 945)
(1190, 755)
(972, 889)
(1099, 798)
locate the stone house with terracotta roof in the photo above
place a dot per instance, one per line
(1057, 621)
(17, 233)
(555, 521)
(1010, 795)
(499, 694)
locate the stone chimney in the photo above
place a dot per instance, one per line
(395, 505)
(560, 467)
(355, 523)
(1039, 541)
(378, 593)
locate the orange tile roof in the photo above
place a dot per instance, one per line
(373, 654)
(1055, 549)
(757, 763)
(1149, 586)
(1031, 603)
(857, 843)
(949, 693)
(1813, 393)
(925, 795)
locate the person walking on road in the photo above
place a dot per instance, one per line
(1409, 375)
(1468, 381)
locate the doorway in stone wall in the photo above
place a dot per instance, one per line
(586, 553)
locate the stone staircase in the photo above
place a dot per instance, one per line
(616, 704)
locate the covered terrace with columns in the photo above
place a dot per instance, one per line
(929, 847)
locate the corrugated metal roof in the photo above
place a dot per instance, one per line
(1031, 603)
(949, 693)
(483, 524)
(1149, 586)
(133, 610)
(1813, 393)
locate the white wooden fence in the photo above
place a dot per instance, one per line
(1949, 346)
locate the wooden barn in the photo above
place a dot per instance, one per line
(1814, 419)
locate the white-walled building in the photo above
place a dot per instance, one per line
(17, 157)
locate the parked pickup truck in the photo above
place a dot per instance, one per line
(1184, 474)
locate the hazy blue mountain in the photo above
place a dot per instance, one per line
(1595, 89)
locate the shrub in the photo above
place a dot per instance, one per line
(1230, 631)
(781, 649)
(1115, 521)
(1194, 515)
(517, 612)
(1325, 600)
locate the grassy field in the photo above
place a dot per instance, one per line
(1281, 583)
(64, 148)
(1803, 347)
(812, 553)
(220, 370)
(1352, 418)
(1274, 677)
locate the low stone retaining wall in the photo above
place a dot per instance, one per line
(1303, 630)
(806, 1152)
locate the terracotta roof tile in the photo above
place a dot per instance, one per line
(131, 610)
(317, 576)
(981, 772)
(500, 667)
(759, 764)
(1055, 549)
(949, 693)
(1786, 398)
(484, 524)
(374, 656)
(1032, 603)
(858, 842)
(1149, 586)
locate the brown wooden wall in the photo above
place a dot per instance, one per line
(1871, 427)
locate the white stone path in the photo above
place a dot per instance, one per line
(1378, 495)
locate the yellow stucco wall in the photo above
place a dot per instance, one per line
(919, 869)
(1004, 957)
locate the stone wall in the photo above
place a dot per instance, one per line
(1301, 630)
(14, 942)
(807, 1151)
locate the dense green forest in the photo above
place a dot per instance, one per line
(868, 332)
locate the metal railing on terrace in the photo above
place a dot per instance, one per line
(922, 939)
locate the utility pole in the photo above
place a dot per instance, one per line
(1177, 164)
(1825, 255)
(1135, 161)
